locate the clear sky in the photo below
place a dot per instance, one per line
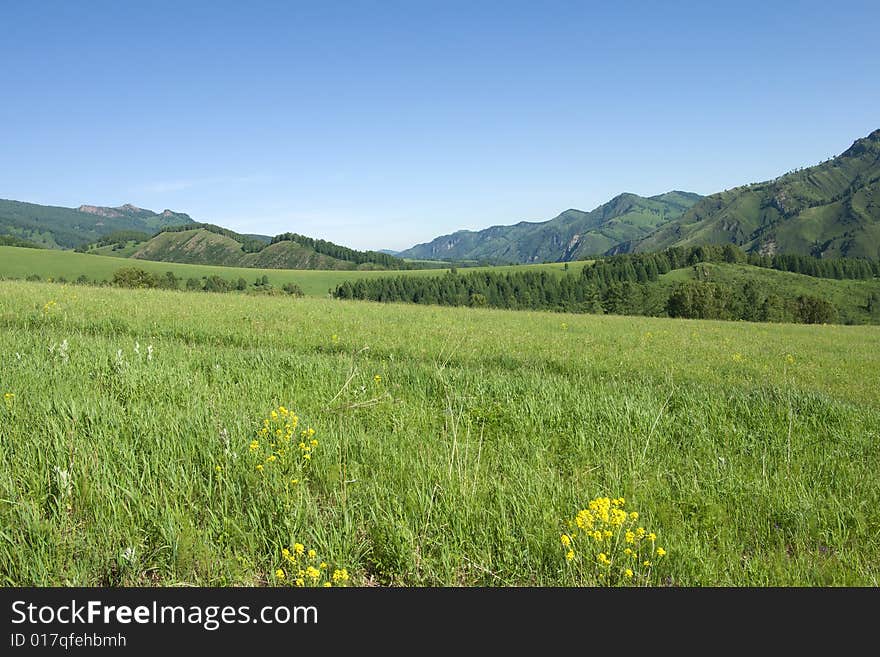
(383, 124)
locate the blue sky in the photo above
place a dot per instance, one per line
(384, 124)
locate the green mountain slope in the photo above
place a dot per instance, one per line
(211, 245)
(67, 228)
(828, 210)
(128, 231)
(572, 235)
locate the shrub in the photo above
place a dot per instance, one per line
(293, 288)
(133, 277)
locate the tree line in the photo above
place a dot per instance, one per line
(623, 285)
(136, 278)
(344, 253)
(12, 240)
(118, 238)
(648, 267)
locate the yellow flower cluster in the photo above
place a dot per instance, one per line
(272, 448)
(48, 307)
(307, 443)
(302, 567)
(605, 544)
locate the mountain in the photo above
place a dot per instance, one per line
(828, 210)
(67, 228)
(167, 236)
(206, 244)
(572, 235)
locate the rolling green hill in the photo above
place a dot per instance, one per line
(67, 228)
(828, 210)
(572, 235)
(205, 244)
(202, 247)
(127, 231)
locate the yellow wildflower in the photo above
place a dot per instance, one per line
(569, 555)
(661, 552)
(566, 541)
(377, 379)
(628, 573)
(584, 519)
(340, 575)
(312, 554)
(259, 467)
(327, 585)
(279, 574)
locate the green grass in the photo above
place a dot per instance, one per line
(17, 262)
(485, 431)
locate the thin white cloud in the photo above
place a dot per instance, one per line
(165, 186)
(168, 186)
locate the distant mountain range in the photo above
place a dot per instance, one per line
(573, 235)
(133, 232)
(828, 210)
(831, 209)
(67, 228)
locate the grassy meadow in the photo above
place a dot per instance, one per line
(19, 262)
(451, 445)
